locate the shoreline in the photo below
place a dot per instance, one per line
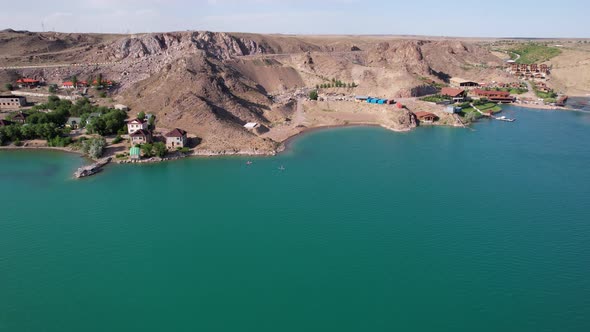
(283, 147)
(287, 143)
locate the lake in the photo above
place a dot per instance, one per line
(439, 229)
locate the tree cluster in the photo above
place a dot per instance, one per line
(336, 84)
(157, 149)
(94, 147)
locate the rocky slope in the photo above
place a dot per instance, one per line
(212, 83)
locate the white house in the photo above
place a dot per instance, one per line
(251, 125)
(141, 136)
(176, 139)
(135, 125)
(121, 107)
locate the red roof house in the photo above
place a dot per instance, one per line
(27, 82)
(458, 95)
(426, 117)
(177, 138)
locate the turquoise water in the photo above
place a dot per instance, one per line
(439, 229)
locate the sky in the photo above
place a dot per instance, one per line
(499, 18)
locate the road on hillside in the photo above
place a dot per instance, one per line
(66, 65)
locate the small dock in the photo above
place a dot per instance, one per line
(489, 115)
(561, 101)
(93, 169)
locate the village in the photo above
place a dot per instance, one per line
(79, 114)
(70, 118)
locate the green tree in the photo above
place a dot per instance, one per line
(148, 150)
(52, 88)
(99, 80)
(117, 139)
(8, 87)
(94, 147)
(141, 115)
(313, 95)
(152, 123)
(75, 81)
(160, 149)
(470, 117)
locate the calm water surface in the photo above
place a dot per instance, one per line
(439, 229)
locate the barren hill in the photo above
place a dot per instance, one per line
(212, 83)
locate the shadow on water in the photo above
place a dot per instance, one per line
(579, 103)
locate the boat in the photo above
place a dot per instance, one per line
(93, 169)
(248, 163)
(503, 118)
(282, 168)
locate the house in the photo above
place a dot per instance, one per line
(135, 153)
(544, 68)
(92, 116)
(495, 96)
(12, 102)
(5, 123)
(399, 105)
(121, 107)
(176, 139)
(462, 83)
(135, 125)
(426, 117)
(251, 125)
(457, 95)
(74, 122)
(390, 102)
(141, 136)
(71, 85)
(27, 83)
(103, 83)
(20, 117)
(452, 109)
(361, 98)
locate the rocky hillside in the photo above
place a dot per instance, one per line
(212, 83)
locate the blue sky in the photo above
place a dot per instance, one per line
(565, 18)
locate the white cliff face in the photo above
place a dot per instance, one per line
(174, 45)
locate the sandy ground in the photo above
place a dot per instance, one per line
(312, 115)
(571, 72)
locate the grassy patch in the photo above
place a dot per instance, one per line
(435, 99)
(495, 108)
(518, 91)
(535, 53)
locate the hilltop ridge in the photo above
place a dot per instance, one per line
(212, 83)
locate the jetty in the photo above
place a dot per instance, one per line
(90, 170)
(490, 115)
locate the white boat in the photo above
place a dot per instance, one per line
(503, 118)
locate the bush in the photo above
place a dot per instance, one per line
(102, 94)
(59, 141)
(52, 88)
(184, 150)
(313, 95)
(8, 87)
(117, 139)
(94, 147)
(148, 150)
(160, 149)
